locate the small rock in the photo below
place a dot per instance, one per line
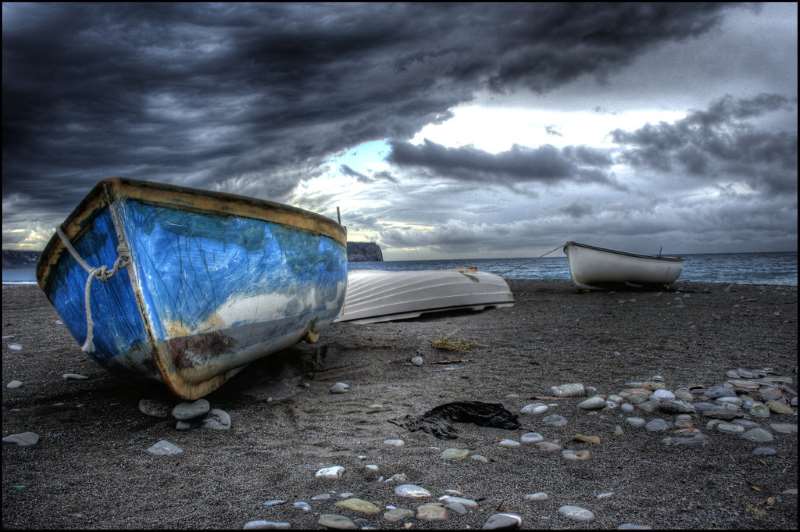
(184, 411)
(509, 443)
(417, 360)
(302, 505)
(746, 423)
(759, 410)
(394, 442)
(576, 513)
(458, 508)
(163, 447)
(548, 446)
(784, 428)
(398, 514)
(345, 495)
(455, 454)
(555, 420)
(758, 435)
(412, 491)
(273, 502)
(765, 451)
(539, 496)
(153, 408)
(397, 477)
(663, 394)
(23, 439)
(359, 505)
(593, 440)
(321, 497)
(730, 428)
(467, 503)
(618, 430)
(635, 421)
(432, 511)
(13, 384)
(340, 387)
(74, 377)
(274, 525)
(534, 409)
(217, 420)
(683, 421)
(720, 391)
(729, 400)
(187, 425)
(332, 472)
(530, 438)
(504, 520)
(626, 407)
(372, 468)
(605, 495)
(569, 454)
(779, 407)
(684, 395)
(15, 347)
(675, 406)
(338, 522)
(770, 393)
(479, 458)
(656, 425)
(593, 403)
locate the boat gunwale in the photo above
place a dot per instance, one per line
(666, 258)
(188, 199)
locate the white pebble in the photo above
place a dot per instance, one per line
(74, 377)
(394, 442)
(576, 513)
(13, 384)
(332, 472)
(15, 347)
(163, 447)
(411, 490)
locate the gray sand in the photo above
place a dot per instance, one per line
(90, 469)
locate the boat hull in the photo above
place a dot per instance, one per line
(377, 295)
(592, 268)
(208, 288)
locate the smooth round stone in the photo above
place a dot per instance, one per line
(432, 511)
(509, 443)
(684, 395)
(765, 451)
(633, 526)
(338, 522)
(593, 403)
(784, 428)
(184, 411)
(729, 400)
(358, 505)
(458, 508)
(569, 454)
(760, 410)
(268, 525)
(605, 495)
(74, 377)
(479, 458)
(555, 420)
(302, 505)
(417, 361)
(14, 347)
(576, 513)
(534, 408)
(674, 406)
(616, 398)
(548, 446)
(769, 393)
(372, 468)
(730, 428)
(779, 407)
(163, 448)
(345, 495)
(394, 442)
(321, 497)
(627, 408)
(683, 421)
(583, 438)
(332, 472)
(504, 520)
(217, 420)
(713, 423)
(531, 437)
(635, 421)
(455, 454)
(13, 384)
(467, 503)
(703, 406)
(340, 387)
(412, 491)
(746, 423)
(153, 408)
(656, 425)
(539, 496)
(663, 395)
(720, 391)
(23, 439)
(758, 435)
(398, 514)
(273, 502)
(649, 406)
(575, 389)
(186, 425)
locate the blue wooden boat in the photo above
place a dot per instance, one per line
(189, 286)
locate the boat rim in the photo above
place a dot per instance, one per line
(668, 258)
(107, 190)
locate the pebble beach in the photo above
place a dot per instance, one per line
(636, 409)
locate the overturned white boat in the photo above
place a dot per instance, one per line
(593, 267)
(376, 295)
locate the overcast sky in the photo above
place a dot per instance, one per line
(441, 131)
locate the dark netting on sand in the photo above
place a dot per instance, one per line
(437, 420)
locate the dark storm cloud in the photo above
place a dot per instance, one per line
(346, 170)
(251, 98)
(545, 164)
(720, 143)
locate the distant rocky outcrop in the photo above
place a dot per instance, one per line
(364, 252)
(14, 258)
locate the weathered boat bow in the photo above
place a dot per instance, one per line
(213, 281)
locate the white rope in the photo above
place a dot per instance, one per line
(552, 250)
(102, 273)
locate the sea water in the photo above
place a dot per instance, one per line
(738, 268)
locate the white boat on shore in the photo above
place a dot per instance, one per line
(593, 267)
(376, 295)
